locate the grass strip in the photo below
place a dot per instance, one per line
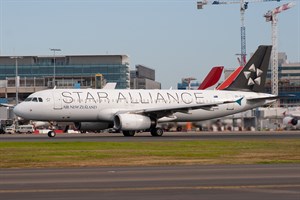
(78, 154)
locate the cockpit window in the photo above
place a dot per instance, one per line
(28, 99)
(34, 99)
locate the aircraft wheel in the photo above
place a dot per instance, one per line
(51, 134)
(179, 129)
(128, 133)
(157, 132)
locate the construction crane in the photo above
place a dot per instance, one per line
(188, 80)
(271, 16)
(243, 8)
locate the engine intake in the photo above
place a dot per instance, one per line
(294, 121)
(290, 121)
(131, 122)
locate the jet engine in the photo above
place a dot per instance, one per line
(92, 126)
(291, 122)
(294, 121)
(133, 122)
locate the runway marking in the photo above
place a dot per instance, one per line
(153, 188)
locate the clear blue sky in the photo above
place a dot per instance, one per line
(170, 36)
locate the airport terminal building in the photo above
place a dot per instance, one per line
(143, 78)
(72, 71)
(44, 72)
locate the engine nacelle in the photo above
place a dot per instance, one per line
(92, 126)
(133, 122)
(290, 121)
(294, 121)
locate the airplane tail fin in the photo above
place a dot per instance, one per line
(212, 77)
(230, 78)
(253, 76)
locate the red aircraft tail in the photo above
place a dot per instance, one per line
(212, 77)
(230, 79)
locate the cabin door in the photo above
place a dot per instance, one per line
(57, 100)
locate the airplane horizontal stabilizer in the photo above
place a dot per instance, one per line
(269, 98)
(258, 99)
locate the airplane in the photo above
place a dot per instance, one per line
(292, 118)
(130, 111)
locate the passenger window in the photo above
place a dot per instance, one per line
(40, 99)
(35, 99)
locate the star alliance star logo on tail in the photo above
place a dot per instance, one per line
(258, 73)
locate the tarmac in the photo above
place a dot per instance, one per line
(168, 182)
(275, 181)
(168, 136)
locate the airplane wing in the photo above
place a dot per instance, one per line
(7, 105)
(297, 115)
(168, 110)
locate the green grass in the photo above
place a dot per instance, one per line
(76, 154)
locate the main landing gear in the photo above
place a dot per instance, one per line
(154, 132)
(51, 133)
(157, 132)
(128, 133)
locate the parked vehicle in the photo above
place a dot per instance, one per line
(10, 129)
(25, 129)
(2, 131)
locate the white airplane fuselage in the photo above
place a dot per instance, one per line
(93, 105)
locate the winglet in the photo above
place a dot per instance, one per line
(239, 101)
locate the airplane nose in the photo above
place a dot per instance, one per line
(17, 110)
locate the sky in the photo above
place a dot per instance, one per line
(171, 36)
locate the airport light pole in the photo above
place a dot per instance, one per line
(17, 79)
(17, 82)
(54, 50)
